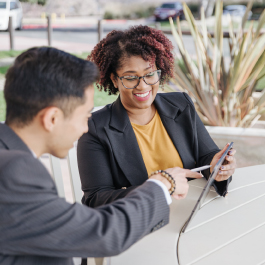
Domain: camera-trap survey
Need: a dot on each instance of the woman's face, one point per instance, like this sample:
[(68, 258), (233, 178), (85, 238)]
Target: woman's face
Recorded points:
[(142, 96)]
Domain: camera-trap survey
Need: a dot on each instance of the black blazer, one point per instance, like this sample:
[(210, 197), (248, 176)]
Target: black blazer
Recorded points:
[(109, 157)]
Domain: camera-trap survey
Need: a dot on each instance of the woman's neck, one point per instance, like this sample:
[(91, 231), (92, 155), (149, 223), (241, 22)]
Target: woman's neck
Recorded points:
[(142, 116)]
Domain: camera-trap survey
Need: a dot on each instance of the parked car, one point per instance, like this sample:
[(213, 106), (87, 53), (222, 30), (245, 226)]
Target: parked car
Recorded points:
[(236, 11), (10, 8), (167, 10)]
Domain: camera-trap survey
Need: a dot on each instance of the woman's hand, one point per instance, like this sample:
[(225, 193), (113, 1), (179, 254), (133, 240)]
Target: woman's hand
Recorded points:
[(228, 167)]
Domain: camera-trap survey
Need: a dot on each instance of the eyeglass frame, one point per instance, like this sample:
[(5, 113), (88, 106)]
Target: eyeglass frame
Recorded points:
[(139, 77)]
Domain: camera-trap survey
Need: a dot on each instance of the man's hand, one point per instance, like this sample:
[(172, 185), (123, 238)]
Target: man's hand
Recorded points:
[(180, 176), (228, 167)]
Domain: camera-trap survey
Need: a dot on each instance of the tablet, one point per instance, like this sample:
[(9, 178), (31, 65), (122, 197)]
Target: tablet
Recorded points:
[(207, 187)]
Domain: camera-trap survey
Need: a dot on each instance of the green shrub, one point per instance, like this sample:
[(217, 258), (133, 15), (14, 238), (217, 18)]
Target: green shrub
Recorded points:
[(144, 13), (133, 14), (3, 70), (39, 2), (12, 53), (108, 15)]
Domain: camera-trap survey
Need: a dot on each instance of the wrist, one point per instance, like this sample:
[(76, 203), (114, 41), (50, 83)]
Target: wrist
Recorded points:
[(162, 179)]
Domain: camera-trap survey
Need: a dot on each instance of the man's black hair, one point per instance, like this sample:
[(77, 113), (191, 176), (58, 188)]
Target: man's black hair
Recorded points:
[(43, 77)]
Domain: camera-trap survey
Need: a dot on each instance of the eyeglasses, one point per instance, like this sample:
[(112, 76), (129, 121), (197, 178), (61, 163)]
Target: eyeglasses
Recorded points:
[(130, 81)]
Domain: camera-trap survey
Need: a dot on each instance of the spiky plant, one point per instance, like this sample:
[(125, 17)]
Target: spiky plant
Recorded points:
[(223, 95)]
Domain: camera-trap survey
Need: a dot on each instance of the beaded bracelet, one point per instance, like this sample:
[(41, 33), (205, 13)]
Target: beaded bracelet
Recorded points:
[(168, 177)]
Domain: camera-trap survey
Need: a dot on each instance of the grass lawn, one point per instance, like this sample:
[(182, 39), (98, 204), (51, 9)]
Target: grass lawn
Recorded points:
[(3, 70), (102, 98), (6, 54)]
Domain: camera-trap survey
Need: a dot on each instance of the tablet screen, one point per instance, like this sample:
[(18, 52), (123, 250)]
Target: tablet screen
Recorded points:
[(207, 187)]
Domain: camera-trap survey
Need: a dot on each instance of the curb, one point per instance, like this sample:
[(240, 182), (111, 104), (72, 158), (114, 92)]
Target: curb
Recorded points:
[(33, 26), (7, 61), (2, 83)]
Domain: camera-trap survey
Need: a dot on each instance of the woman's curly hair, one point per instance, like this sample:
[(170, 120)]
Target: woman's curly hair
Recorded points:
[(151, 44)]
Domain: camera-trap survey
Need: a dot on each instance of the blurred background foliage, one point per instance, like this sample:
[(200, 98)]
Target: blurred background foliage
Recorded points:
[(136, 10), (222, 88), (39, 2), (117, 9)]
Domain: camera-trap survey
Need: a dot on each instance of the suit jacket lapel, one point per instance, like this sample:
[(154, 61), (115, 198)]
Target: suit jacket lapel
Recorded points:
[(179, 127), (11, 140), (125, 146)]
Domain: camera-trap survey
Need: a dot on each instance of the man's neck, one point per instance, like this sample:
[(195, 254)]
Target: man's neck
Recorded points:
[(30, 135)]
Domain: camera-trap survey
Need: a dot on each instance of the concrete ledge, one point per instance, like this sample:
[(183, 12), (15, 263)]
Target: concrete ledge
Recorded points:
[(248, 142), (235, 131)]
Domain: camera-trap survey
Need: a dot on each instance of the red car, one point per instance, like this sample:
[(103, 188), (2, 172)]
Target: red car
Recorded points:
[(167, 10)]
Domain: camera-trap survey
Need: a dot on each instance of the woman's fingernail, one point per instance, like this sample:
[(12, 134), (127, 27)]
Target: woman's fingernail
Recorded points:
[(223, 167), (220, 172)]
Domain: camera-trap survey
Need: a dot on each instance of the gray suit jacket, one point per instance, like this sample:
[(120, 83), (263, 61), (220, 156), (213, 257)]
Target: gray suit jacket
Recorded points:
[(38, 227)]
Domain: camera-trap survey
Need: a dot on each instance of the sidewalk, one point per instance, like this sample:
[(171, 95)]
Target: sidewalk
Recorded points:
[(24, 43), (74, 22)]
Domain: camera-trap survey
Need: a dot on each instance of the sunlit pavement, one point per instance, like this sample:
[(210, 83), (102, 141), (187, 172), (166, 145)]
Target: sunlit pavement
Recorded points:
[(23, 43), (2, 82)]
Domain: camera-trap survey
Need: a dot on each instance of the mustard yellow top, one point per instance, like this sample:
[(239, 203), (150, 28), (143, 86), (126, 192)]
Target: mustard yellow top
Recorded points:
[(158, 150)]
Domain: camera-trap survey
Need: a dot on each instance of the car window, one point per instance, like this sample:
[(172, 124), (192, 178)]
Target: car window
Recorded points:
[(2, 5), (13, 5), (168, 6)]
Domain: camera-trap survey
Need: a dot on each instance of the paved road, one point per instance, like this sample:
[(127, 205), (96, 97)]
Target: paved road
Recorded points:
[(71, 39)]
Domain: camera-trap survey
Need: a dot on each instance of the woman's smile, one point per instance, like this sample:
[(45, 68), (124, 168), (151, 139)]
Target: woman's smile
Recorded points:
[(143, 96)]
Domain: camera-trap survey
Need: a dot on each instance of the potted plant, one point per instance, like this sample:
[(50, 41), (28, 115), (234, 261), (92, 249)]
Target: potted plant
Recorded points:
[(220, 87)]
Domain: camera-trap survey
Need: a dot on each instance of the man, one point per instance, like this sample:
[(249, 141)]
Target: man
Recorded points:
[(49, 97)]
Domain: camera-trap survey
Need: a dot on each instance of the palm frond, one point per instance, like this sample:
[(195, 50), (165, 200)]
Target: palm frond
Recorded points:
[(222, 93)]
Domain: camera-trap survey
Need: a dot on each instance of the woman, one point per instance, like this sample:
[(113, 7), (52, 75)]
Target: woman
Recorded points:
[(142, 131)]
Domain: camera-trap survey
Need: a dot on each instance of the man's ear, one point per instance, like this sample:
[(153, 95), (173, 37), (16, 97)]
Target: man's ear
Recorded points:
[(114, 80), (50, 117)]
